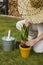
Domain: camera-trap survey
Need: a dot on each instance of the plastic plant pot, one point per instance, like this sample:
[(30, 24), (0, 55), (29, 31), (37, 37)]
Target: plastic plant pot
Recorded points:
[(25, 52), (17, 44)]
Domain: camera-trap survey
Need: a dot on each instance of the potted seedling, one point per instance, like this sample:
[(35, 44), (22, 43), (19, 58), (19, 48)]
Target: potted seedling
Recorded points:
[(24, 49)]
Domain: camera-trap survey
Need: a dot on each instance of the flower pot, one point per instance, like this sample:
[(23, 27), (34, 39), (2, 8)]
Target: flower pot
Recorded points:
[(25, 52), (8, 44), (17, 44)]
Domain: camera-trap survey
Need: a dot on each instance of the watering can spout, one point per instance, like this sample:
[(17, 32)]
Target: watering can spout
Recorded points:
[(9, 34)]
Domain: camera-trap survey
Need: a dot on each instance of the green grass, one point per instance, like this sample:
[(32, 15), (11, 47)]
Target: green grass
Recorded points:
[(13, 57)]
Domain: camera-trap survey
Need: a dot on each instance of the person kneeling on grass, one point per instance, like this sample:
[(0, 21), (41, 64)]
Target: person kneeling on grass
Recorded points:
[(36, 43)]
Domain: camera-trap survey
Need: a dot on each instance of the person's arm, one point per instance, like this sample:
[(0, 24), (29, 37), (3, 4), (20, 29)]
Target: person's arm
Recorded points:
[(40, 37), (34, 41), (27, 23)]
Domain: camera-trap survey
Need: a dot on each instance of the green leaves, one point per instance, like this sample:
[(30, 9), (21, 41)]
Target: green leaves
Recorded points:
[(24, 33)]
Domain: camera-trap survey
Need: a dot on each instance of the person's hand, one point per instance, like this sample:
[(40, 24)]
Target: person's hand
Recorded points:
[(31, 42), (27, 24), (34, 41)]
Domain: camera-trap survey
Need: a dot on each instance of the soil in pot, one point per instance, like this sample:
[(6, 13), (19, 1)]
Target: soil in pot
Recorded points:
[(25, 46)]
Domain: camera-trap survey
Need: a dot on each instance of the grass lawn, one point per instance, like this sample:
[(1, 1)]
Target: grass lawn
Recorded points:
[(13, 57)]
